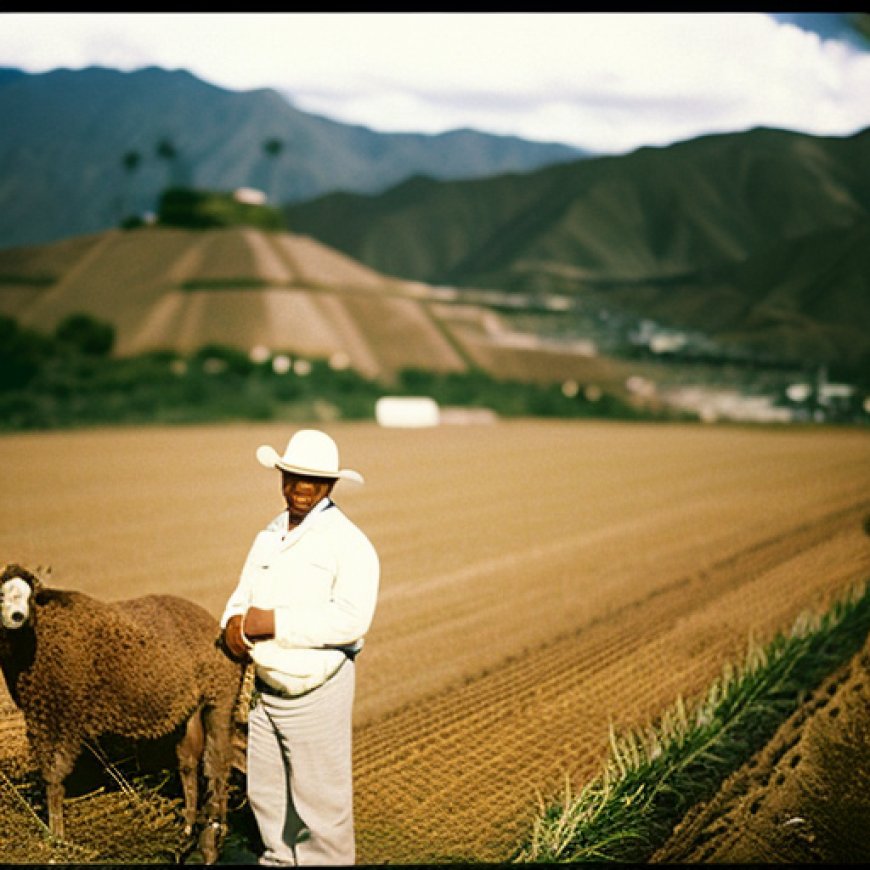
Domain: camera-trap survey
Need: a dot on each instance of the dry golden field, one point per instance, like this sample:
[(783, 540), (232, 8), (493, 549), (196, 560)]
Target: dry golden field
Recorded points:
[(540, 581)]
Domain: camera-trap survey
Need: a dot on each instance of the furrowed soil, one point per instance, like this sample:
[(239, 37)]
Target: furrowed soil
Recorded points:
[(803, 799), (541, 580)]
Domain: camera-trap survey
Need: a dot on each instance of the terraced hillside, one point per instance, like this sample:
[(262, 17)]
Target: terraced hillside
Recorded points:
[(165, 288), (541, 580)]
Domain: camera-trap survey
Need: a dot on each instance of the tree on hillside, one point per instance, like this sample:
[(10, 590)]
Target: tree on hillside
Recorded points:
[(130, 162), (201, 209), (86, 334), (21, 354), (272, 148), (168, 153)]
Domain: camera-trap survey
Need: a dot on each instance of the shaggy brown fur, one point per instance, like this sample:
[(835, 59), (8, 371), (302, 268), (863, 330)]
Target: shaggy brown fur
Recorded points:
[(143, 668)]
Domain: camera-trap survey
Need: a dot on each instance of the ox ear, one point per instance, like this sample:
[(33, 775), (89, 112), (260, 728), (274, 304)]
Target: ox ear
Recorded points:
[(41, 575)]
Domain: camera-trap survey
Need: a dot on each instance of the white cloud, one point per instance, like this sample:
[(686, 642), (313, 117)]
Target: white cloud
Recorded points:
[(606, 81)]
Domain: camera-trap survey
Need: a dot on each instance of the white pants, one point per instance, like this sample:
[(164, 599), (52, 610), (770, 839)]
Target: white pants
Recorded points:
[(300, 774)]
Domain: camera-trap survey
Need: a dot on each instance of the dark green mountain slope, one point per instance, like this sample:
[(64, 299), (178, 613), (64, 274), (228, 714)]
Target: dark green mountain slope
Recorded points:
[(657, 211), (752, 222), (810, 296), (802, 299), (66, 134)]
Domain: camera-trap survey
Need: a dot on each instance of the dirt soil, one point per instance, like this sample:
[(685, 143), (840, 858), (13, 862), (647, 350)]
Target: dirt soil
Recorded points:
[(541, 581), (804, 799)]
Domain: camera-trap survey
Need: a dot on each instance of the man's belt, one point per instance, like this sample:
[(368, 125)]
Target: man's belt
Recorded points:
[(349, 651), (266, 689)]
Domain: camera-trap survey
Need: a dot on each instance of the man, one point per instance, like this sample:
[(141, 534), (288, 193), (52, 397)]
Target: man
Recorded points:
[(304, 601)]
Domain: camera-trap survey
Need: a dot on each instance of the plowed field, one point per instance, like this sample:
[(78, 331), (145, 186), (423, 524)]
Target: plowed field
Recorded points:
[(541, 580)]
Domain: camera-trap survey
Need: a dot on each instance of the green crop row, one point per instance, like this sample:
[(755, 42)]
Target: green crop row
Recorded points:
[(653, 776)]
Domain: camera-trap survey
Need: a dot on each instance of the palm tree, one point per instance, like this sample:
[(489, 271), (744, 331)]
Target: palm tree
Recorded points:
[(130, 162), (167, 152), (272, 148)]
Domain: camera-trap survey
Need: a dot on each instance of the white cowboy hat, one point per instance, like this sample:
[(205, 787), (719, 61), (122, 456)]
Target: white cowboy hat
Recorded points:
[(310, 452)]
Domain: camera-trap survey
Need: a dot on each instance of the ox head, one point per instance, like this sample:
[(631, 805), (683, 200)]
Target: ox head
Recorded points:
[(18, 589)]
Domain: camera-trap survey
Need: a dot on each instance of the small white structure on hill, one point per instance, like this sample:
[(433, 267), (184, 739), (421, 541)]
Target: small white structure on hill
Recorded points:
[(249, 196), (407, 411)]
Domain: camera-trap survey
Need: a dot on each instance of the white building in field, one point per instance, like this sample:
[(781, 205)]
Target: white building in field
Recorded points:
[(407, 412)]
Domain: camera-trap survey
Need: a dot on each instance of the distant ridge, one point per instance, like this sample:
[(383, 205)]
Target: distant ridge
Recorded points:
[(67, 135)]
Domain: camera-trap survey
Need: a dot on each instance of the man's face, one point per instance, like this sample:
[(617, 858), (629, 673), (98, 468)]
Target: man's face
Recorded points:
[(302, 492)]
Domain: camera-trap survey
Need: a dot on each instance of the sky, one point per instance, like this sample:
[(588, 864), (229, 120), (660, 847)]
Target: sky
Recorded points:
[(608, 82)]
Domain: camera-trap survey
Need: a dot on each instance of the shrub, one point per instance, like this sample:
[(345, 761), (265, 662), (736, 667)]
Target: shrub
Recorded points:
[(195, 209), (86, 334), (71, 379), (21, 354)]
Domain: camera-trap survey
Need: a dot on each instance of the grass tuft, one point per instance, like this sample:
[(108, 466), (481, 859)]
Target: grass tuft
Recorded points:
[(654, 775)]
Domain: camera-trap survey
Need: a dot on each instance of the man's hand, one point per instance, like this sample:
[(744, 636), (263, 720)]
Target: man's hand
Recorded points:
[(259, 624), (232, 642)]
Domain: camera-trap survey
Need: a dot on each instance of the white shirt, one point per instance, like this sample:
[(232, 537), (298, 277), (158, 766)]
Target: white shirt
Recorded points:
[(321, 579)]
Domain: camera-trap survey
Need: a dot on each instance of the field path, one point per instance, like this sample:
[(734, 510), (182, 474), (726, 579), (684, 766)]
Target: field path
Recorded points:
[(541, 580)]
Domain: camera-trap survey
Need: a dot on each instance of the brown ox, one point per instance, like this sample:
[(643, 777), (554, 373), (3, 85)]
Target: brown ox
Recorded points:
[(79, 668)]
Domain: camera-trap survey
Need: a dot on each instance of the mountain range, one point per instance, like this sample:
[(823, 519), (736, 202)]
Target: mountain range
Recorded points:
[(760, 239), (82, 149)]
